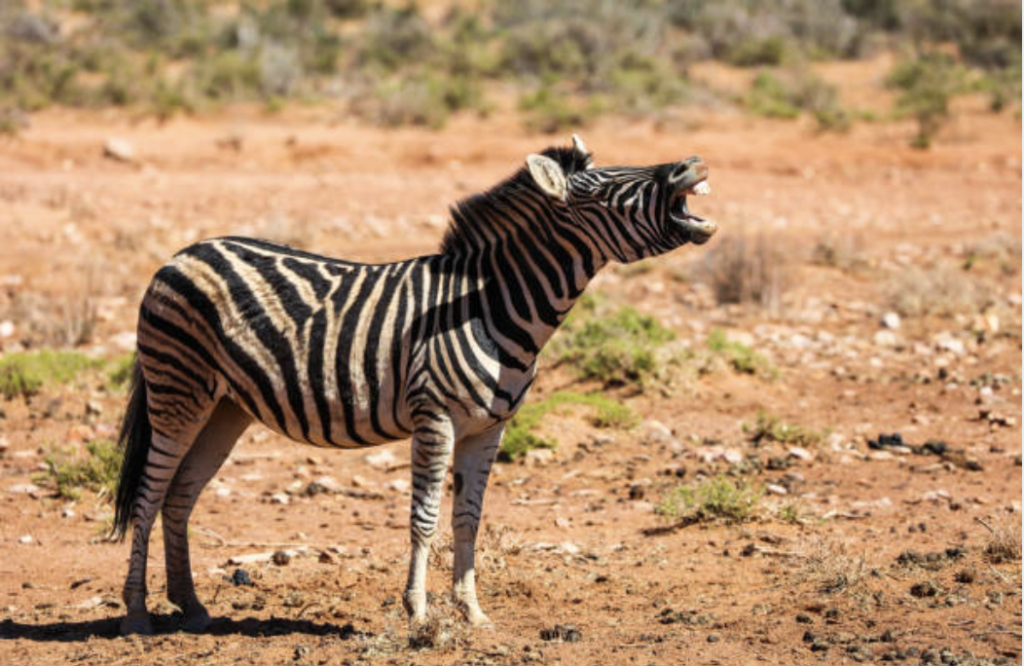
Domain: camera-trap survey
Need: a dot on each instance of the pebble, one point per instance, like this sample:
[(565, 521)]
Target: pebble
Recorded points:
[(891, 320), (885, 338), (119, 149), (799, 453), (381, 460), (279, 498), (26, 539)]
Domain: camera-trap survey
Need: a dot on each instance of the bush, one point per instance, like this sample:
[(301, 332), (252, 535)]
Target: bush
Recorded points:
[(770, 428), (926, 84), (740, 269), (98, 470), (941, 291), (24, 373), (769, 32), (616, 349), (550, 112), (520, 436), (716, 499), (741, 357), (773, 97)]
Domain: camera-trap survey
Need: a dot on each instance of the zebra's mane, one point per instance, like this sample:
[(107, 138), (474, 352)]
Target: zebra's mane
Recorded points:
[(473, 216)]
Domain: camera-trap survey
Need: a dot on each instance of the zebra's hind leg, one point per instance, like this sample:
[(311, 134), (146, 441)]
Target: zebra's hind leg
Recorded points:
[(168, 446), (209, 451), (431, 451), (474, 456)]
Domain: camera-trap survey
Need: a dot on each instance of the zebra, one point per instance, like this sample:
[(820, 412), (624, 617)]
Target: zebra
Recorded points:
[(441, 349)]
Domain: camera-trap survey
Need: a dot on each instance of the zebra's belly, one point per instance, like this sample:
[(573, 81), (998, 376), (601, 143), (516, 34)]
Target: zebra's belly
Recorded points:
[(330, 420)]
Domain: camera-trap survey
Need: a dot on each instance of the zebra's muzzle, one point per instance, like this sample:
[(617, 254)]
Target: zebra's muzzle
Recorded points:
[(697, 228)]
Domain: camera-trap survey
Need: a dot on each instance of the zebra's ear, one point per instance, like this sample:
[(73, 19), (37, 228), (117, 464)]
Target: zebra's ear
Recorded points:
[(579, 147), (548, 175)]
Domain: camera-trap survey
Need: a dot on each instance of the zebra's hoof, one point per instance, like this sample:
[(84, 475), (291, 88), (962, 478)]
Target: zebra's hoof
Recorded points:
[(196, 620), (137, 624)]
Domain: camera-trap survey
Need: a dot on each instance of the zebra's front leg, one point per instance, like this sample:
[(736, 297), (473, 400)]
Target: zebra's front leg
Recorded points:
[(474, 456), (431, 451)]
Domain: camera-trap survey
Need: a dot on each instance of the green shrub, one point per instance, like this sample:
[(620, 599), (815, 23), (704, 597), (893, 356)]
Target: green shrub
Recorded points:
[(798, 91), (120, 372), (770, 428), (926, 84), (98, 470), (715, 499), (24, 373), (615, 349), (520, 436), (550, 112), (741, 357)]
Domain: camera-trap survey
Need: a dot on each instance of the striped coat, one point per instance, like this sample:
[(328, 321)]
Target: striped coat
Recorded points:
[(440, 348)]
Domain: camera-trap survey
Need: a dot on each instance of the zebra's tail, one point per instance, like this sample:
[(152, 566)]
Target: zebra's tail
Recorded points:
[(134, 441)]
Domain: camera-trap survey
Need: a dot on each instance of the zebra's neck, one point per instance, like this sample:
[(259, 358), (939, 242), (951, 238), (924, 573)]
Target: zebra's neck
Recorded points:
[(528, 277)]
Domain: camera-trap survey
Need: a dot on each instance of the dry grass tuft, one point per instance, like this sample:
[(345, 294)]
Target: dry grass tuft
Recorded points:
[(749, 269), (832, 568), (1004, 542), (942, 291)]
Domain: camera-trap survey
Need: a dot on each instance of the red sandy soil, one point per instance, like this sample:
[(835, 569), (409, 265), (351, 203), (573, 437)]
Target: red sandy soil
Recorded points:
[(571, 539)]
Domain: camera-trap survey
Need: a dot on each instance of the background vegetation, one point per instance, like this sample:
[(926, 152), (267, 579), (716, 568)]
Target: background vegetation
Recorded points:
[(391, 63)]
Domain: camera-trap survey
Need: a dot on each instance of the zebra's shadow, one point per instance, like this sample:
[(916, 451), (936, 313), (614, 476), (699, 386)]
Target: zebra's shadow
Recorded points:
[(70, 632)]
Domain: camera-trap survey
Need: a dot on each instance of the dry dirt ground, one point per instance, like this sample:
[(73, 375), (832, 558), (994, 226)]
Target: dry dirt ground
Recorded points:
[(571, 539)]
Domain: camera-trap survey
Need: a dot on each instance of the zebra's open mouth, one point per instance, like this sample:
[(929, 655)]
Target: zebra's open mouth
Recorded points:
[(698, 229)]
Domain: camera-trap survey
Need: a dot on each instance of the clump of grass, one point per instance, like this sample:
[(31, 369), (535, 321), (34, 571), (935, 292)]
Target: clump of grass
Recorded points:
[(926, 84), (943, 291), (520, 436), (25, 373), (97, 470), (770, 428), (741, 357), (616, 349), (120, 372), (715, 499), (832, 569), (790, 513), (1004, 542)]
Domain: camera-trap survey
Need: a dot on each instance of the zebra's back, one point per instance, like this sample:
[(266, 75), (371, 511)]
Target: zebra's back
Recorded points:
[(315, 348)]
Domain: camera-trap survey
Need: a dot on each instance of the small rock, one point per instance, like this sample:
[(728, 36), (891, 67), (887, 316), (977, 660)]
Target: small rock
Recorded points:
[(885, 338), (26, 539), (891, 320), (24, 489), (6, 328), (279, 498), (776, 489), (800, 453), (636, 492), (539, 457), (119, 149), (240, 578), (398, 485), (714, 638), (281, 558), (381, 460), (93, 408)]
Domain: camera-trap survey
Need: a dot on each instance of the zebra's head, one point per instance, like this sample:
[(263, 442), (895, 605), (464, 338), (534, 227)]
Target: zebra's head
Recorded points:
[(631, 212)]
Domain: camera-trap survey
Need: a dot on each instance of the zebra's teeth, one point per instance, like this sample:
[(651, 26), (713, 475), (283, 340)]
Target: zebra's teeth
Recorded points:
[(702, 188)]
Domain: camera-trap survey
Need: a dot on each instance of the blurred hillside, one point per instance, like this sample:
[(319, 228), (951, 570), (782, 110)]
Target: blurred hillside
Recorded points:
[(559, 63)]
